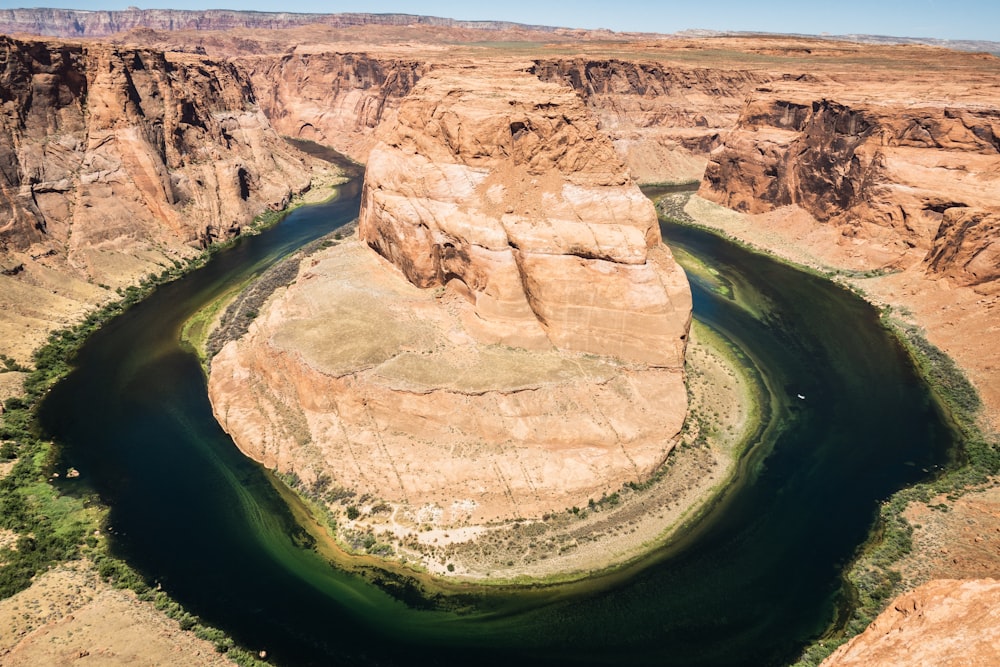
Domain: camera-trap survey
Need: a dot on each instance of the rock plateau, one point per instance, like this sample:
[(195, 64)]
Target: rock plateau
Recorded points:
[(505, 339)]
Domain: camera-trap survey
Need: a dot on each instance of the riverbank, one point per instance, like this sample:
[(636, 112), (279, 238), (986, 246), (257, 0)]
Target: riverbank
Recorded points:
[(923, 532), (63, 594)]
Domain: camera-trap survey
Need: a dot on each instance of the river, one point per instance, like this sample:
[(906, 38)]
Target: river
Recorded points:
[(753, 581)]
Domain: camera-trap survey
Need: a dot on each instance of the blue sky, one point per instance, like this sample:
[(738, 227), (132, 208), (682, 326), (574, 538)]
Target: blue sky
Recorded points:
[(946, 19)]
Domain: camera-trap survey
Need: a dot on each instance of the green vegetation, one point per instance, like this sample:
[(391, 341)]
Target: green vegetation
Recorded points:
[(56, 521), (8, 365), (50, 528)]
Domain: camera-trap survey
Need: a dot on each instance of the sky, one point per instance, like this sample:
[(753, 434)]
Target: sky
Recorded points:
[(943, 19)]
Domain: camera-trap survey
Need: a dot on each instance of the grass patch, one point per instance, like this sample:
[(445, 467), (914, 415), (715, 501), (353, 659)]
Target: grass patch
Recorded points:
[(57, 520)]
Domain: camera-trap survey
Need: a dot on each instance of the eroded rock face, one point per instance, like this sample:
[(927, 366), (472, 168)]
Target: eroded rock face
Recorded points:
[(663, 119), (944, 622), (501, 188), (921, 177), (114, 162), (515, 347), (118, 143), (333, 99)]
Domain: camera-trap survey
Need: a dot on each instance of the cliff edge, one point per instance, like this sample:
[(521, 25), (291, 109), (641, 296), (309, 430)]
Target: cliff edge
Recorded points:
[(505, 338)]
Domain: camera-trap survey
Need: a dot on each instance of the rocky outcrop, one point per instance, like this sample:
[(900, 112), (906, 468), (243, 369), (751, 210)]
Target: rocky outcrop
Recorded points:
[(115, 162), (922, 177), (966, 248), (86, 23), (944, 622), (502, 187), (664, 119), (515, 347), (333, 99)]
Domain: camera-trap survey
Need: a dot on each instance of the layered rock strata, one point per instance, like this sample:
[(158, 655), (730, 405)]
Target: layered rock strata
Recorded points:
[(915, 181), (333, 99), (115, 162), (508, 193), (664, 119), (514, 347)]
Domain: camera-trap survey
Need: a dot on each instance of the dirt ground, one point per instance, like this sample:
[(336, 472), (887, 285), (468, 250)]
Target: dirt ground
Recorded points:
[(607, 533), (954, 539), (70, 617)]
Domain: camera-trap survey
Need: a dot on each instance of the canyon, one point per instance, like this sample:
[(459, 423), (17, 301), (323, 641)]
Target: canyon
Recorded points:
[(119, 163), (120, 157), (449, 354)]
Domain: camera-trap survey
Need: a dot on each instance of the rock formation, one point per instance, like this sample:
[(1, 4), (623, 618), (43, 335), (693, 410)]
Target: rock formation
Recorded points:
[(520, 352), (921, 180), (115, 162), (509, 193), (333, 99), (664, 119), (947, 623)]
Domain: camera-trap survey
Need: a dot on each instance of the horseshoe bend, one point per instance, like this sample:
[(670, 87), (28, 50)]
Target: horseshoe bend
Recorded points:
[(494, 376), (503, 340)]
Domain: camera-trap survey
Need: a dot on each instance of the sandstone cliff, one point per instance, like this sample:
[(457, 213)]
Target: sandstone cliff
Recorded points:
[(450, 381), (501, 186), (664, 119), (917, 177), (333, 99), (946, 623), (115, 162)]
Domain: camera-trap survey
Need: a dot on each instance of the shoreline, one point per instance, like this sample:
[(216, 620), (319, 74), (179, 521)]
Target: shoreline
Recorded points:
[(871, 581), (79, 515), (582, 547)]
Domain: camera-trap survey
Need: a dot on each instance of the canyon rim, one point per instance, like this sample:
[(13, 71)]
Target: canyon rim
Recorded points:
[(121, 155), (504, 340)]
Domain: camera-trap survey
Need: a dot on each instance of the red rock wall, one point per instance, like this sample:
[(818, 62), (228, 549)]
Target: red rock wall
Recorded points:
[(925, 174), (330, 98), (663, 119), (116, 148)]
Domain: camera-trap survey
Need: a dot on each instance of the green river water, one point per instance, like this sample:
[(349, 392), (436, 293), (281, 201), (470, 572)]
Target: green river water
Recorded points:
[(756, 578)]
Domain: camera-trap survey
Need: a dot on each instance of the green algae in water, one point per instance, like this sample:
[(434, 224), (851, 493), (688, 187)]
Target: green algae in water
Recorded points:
[(753, 581)]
